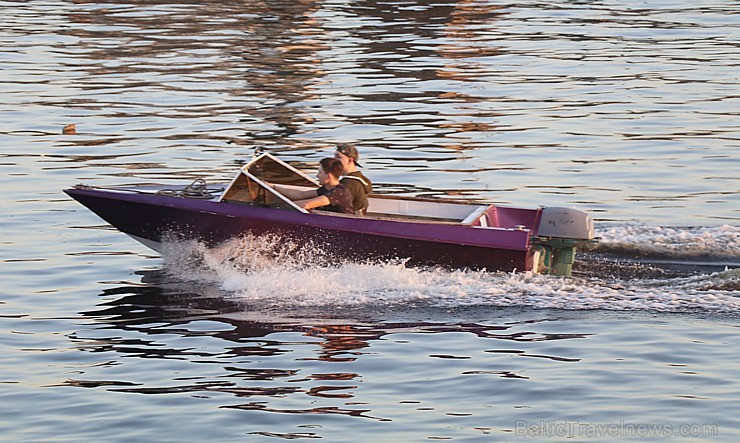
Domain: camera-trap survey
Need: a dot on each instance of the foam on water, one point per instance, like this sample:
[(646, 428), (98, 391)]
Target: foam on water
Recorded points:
[(270, 272)]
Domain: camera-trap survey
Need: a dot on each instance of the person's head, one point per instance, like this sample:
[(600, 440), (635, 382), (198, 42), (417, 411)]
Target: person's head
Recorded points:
[(330, 169), (348, 155)]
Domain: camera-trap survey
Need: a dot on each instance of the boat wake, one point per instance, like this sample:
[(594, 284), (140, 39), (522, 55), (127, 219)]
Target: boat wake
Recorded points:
[(714, 243), (633, 268)]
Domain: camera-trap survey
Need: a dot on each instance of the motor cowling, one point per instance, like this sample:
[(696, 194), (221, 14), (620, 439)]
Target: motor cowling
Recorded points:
[(565, 223), (560, 232)]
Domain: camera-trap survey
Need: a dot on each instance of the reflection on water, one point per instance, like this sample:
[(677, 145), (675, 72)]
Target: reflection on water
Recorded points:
[(389, 366), (627, 110), (157, 320)]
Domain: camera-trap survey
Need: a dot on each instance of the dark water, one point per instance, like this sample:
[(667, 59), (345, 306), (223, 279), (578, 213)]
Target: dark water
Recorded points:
[(628, 110)]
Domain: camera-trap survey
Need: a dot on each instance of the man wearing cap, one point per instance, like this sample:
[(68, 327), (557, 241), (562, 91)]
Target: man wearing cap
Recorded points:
[(352, 179)]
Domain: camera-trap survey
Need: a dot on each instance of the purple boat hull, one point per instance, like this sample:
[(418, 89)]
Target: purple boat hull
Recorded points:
[(152, 218)]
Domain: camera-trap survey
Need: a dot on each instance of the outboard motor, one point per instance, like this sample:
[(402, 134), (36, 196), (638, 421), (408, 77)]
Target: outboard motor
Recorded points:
[(560, 232)]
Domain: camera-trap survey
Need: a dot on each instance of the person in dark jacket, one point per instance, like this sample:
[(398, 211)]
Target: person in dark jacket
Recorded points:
[(352, 179)]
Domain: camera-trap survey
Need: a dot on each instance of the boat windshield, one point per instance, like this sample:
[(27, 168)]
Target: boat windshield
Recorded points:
[(270, 169), (250, 186)]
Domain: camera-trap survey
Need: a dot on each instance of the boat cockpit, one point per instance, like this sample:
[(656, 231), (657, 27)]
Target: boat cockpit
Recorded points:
[(252, 186)]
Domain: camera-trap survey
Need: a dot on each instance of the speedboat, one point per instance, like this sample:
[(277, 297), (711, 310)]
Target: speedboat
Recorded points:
[(421, 232)]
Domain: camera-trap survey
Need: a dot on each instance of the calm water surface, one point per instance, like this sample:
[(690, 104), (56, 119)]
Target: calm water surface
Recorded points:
[(628, 110)]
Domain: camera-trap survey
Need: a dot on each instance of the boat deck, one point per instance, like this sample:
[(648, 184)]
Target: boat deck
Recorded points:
[(428, 211)]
